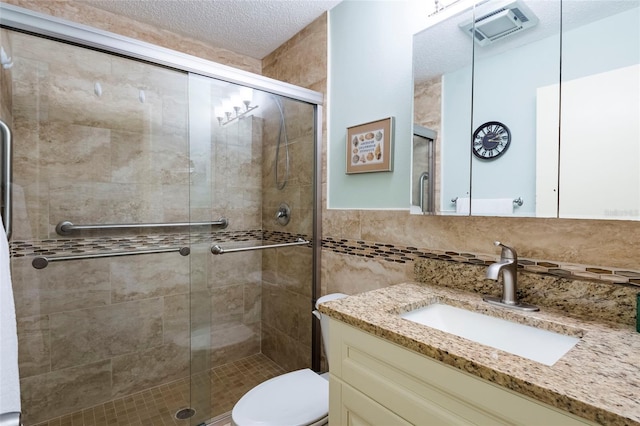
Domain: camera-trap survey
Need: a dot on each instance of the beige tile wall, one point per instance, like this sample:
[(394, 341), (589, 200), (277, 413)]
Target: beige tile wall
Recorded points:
[(286, 304), (590, 242), (88, 334), (87, 158)]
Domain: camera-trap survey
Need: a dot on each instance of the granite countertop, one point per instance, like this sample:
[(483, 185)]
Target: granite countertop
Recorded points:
[(598, 379)]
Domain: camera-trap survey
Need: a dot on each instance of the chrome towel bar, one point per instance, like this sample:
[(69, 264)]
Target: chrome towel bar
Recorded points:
[(7, 176), (517, 201), (42, 262), (219, 250), (65, 227)]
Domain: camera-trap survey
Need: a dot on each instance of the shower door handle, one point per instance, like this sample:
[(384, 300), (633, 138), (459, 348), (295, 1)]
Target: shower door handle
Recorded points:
[(7, 176), (429, 207)]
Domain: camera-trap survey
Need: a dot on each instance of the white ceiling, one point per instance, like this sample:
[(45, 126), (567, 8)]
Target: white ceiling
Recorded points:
[(251, 27)]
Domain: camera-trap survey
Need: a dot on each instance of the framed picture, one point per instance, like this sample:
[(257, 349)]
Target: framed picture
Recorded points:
[(369, 147)]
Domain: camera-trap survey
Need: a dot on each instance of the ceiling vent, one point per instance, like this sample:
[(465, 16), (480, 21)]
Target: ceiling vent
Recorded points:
[(503, 19)]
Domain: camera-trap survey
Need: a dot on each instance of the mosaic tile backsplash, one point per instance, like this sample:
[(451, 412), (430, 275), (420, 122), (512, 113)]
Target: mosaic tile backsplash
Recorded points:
[(579, 291), (402, 254)]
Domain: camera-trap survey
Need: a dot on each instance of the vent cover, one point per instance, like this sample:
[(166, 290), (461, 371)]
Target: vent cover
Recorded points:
[(503, 20)]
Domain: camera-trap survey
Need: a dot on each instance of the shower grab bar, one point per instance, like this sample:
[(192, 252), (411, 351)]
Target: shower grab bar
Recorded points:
[(7, 177), (219, 250), (42, 262), (65, 227)]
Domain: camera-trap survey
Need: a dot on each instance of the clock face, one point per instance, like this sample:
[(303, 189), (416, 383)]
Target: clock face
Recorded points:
[(491, 140)]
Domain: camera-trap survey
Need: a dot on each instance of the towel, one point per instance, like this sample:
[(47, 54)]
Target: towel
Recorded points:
[(492, 206), (462, 205), (9, 379), (485, 206)]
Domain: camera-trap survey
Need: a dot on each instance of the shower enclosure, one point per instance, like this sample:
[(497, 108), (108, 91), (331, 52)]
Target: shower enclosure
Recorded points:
[(165, 238)]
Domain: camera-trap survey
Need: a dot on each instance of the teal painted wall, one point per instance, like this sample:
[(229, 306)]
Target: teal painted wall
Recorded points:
[(370, 78)]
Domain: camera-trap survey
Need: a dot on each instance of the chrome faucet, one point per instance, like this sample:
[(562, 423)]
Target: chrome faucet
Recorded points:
[(508, 265)]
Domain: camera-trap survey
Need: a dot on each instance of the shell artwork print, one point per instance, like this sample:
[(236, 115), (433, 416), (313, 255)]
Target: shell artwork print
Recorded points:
[(369, 147)]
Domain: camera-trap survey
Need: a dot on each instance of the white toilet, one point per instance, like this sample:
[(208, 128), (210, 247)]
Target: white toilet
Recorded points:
[(293, 399)]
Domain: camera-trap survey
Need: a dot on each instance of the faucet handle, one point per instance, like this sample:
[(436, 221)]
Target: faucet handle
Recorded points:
[(507, 253)]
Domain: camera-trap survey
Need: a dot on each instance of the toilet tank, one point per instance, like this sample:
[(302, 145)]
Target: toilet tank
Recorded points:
[(324, 320)]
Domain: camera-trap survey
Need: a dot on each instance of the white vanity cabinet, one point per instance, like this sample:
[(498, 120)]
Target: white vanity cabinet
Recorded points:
[(376, 382)]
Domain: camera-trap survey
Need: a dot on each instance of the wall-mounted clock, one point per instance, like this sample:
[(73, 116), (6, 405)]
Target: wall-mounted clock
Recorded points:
[(491, 140)]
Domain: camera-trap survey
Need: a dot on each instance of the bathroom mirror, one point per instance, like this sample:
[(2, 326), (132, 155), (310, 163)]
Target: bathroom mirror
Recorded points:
[(600, 112), (574, 146), (442, 100)]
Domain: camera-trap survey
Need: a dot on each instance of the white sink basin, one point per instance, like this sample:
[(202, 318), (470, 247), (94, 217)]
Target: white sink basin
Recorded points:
[(539, 345)]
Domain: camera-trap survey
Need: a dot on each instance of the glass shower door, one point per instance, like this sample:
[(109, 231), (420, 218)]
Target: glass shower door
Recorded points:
[(101, 139), (252, 158), (226, 162)]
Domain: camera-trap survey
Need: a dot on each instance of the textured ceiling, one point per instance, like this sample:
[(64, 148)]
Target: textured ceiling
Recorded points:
[(444, 47), (251, 27)]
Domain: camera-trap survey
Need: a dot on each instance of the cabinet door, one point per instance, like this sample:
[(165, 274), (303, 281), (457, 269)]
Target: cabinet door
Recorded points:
[(356, 409)]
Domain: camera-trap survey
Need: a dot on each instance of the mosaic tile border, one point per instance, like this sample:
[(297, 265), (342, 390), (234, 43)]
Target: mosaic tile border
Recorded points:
[(402, 254), (90, 245), (387, 252)]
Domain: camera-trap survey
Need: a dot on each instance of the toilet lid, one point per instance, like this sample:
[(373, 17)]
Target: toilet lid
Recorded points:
[(297, 398)]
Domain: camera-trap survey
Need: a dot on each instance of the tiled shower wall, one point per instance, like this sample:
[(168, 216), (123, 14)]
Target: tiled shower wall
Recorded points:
[(94, 330), (286, 315), (287, 272), (87, 150)]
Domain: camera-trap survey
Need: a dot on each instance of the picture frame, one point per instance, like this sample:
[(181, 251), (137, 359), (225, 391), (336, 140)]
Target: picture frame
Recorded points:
[(369, 147)]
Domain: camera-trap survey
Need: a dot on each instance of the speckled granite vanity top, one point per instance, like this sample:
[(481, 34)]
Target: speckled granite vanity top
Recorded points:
[(598, 379)]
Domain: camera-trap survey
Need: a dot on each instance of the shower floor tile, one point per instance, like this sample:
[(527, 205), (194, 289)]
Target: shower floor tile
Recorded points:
[(158, 406)]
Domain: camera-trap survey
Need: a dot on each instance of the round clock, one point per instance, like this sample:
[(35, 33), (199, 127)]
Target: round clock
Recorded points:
[(491, 140)]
